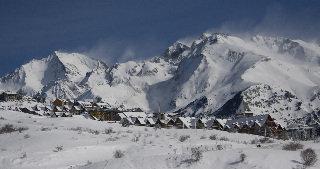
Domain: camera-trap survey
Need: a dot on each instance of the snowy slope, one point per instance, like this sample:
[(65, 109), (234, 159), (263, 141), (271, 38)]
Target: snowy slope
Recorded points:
[(85, 145), (217, 70)]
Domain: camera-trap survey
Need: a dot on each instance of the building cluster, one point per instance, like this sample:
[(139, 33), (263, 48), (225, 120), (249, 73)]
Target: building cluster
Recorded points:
[(9, 96), (263, 125)]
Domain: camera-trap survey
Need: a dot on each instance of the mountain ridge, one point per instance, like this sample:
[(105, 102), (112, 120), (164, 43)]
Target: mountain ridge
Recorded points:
[(212, 70)]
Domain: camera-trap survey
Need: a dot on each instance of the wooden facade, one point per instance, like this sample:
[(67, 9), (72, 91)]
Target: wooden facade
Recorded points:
[(7, 96), (58, 102), (106, 115)]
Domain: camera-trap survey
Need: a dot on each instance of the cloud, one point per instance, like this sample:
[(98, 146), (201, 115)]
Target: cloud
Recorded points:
[(296, 23), (113, 50)]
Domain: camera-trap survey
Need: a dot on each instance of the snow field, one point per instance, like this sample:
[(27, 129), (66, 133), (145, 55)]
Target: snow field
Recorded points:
[(84, 144)]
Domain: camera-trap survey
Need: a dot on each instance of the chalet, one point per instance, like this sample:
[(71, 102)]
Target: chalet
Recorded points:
[(102, 106), (165, 123), (87, 106), (127, 121), (301, 132), (150, 122), (76, 110), (205, 122), (61, 114), (59, 102), (48, 108), (29, 111), (129, 118), (67, 108), (106, 115), (259, 125), (9, 96), (197, 123), (57, 109), (139, 121), (183, 122), (217, 124)]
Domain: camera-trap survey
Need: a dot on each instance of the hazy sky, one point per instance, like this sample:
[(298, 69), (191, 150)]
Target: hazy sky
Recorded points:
[(119, 30)]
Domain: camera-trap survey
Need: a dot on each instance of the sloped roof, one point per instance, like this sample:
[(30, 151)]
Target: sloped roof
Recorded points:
[(134, 114), (68, 107), (250, 121), (103, 105), (77, 108), (222, 122), (85, 104), (141, 120), (186, 121), (152, 121), (58, 108)]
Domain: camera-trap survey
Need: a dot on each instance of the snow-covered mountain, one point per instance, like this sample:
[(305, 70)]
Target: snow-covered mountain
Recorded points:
[(217, 74)]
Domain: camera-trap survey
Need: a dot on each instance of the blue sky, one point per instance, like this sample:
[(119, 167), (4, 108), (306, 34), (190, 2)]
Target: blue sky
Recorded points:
[(119, 30)]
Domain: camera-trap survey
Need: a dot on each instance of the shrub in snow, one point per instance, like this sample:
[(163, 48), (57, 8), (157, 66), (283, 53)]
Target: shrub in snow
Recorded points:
[(8, 128), (157, 126), (24, 155), (135, 138), (112, 139), (184, 138), (224, 139), (58, 148), (196, 155), (242, 157), (213, 137), (2, 118), (26, 136), (118, 154), (309, 157), (266, 140), (96, 132), (293, 146), (203, 137), (45, 129), (108, 130), (88, 163), (219, 147), (254, 141), (129, 131)]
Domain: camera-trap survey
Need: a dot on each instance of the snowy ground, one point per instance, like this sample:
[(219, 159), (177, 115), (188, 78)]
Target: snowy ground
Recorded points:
[(89, 147)]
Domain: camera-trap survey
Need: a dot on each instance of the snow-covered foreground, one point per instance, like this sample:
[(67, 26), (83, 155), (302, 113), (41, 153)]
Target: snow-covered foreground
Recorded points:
[(85, 144)]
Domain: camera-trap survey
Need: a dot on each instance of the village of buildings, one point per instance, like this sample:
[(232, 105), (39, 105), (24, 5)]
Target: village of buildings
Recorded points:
[(263, 125)]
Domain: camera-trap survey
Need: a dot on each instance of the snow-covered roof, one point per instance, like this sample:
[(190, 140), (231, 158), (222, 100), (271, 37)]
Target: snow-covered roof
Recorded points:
[(67, 107), (103, 105), (129, 119), (141, 120), (122, 115), (134, 114), (222, 122), (250, 121), (49, 108), (8, 92), (166, 121), (58, 108), (186, 121), (77, 108), (60, 113), (152, 121), (85, 104)]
